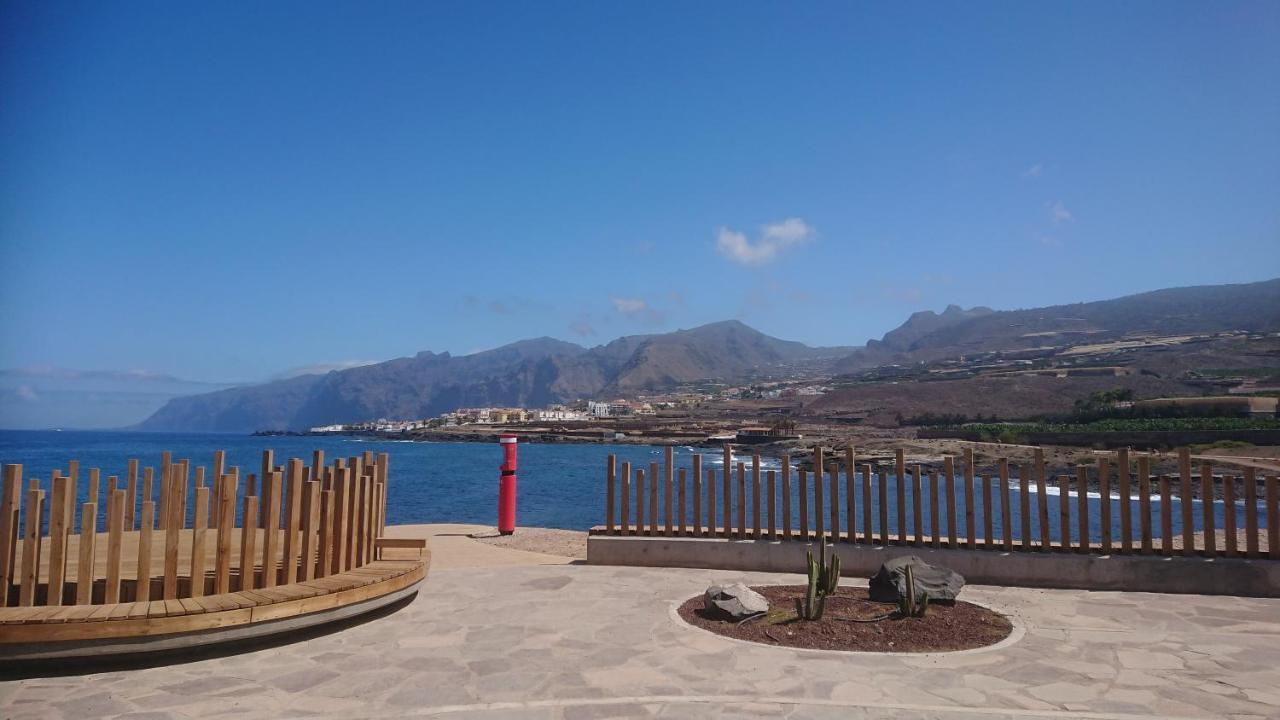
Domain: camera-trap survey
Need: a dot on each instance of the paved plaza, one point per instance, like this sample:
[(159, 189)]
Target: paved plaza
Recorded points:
[(499, 633)]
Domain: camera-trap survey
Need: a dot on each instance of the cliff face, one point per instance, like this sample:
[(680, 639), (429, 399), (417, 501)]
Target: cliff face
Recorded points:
[(529, 373)]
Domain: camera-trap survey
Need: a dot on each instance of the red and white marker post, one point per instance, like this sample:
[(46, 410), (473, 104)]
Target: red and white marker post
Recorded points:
[(507, 486)]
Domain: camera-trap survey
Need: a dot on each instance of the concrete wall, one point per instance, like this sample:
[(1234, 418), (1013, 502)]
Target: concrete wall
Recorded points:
[(1137, 573)]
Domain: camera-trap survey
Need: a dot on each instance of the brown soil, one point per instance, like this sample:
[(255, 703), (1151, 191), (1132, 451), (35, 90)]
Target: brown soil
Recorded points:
[(945, 626)]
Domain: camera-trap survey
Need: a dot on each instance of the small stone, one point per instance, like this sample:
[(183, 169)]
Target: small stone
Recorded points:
[(737, 601)]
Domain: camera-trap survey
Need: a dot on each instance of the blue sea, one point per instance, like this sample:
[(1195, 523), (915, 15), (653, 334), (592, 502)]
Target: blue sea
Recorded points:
[(560, 485)]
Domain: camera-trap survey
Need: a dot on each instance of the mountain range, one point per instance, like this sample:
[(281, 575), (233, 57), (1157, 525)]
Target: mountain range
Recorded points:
[(541, 371)]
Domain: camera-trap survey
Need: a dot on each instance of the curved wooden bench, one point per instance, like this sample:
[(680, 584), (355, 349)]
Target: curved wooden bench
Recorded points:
[(91, 630)]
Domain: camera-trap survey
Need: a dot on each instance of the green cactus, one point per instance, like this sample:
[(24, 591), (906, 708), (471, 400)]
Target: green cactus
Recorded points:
[(824, 578), (907, 605)]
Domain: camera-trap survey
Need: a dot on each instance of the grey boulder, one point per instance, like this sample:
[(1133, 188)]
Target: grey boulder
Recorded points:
[(737, 601), (889, 584)]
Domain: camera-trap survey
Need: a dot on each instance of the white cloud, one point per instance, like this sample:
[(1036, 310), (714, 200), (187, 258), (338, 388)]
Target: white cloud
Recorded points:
[(1033, 172), (1059, 212), (774, 238), (582, 327), (628, 306), (27, 393), (1050, 242)]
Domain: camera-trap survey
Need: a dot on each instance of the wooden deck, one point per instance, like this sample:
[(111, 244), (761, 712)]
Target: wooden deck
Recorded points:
[(45, 624)]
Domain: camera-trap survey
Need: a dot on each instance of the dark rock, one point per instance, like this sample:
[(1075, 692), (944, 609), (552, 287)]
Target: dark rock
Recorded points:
[(889, 584), (737, 601)]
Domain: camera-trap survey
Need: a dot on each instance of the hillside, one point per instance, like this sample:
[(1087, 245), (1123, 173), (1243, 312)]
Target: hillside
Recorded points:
[(1209, 308), (529, 373)]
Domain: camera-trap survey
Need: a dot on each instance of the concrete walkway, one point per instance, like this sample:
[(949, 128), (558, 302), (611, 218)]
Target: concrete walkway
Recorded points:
[(512, 637)]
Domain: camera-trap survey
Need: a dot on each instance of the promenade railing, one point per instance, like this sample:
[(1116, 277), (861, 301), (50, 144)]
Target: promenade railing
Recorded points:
[(1114, 506)]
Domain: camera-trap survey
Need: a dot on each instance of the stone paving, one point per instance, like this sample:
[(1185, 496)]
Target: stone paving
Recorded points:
[(578, 641)]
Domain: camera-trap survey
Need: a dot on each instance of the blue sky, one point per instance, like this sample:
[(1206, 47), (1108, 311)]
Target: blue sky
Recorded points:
[(226, 191)]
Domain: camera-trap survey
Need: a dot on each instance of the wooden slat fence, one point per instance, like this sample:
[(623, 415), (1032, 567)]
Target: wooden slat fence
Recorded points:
[(1116, 506), (184, 543)]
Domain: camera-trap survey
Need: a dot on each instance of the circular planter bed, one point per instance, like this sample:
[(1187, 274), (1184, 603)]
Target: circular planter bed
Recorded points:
[(854, 622)]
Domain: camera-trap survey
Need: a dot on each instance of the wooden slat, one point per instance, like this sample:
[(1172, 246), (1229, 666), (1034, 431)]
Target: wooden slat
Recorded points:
[(271, 538), (1125, 489), (917, 506), (625, 512), (697, 493), (94, 477), (115, 537), (215, 500), (882, 494), (742, 500), (819, 524), (949, 472), (1144, 504), (200, 482), (324, 545), (1229, 514), (1104, 508), (166, 466), (610, 496), (60, 504), (786, 496), (653, 498), (226, 514), (1166, 517), (755, 497), (10, 505), (131, 496), (1184, 502), (682, 479), (310, 530), (727, 500), (697, 503), (970, 499), (172, 530), (802, 488), (1006, 511), (727, 478), (1250, 512), (293, 519), (1064, 513), (988, 512), (264, 476), (851, 492), (900, 492), (641, 528), (1206, 505), (667, 471), (199, 525), (867, 531), (833, 496), (31, 545), (248, 539), (341, 517), (1082, 501), (317, 465), (146, 529), (84, 568), (771, 486), (180, 491), (1273, 517), (1042, 500), (1024, 506), (935, 521), (148, 490)]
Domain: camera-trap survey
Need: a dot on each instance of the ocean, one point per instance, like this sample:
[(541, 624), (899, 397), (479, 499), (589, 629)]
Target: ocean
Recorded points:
[(559, 485)]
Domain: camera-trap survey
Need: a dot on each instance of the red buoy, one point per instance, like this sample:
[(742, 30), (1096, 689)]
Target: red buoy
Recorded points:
[(507, 486)]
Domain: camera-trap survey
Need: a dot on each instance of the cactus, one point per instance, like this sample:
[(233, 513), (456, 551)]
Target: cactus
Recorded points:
[(907, 605), (823, 580)]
